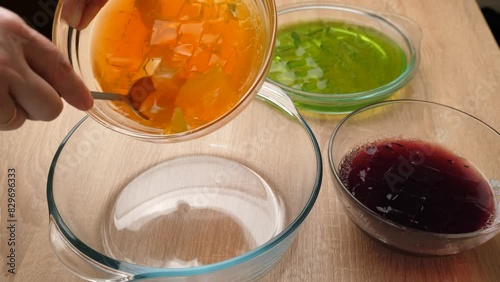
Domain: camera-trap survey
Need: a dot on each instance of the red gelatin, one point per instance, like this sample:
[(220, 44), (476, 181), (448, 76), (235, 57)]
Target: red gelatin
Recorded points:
[(419, 185)]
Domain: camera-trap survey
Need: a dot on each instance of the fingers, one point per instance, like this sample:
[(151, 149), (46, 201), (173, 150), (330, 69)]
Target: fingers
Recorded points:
[(79, 13), (72, 11), (11, 115), (46, 61), (91, 10), (22, 88), (33, 76), (33, 94), (17, 120)]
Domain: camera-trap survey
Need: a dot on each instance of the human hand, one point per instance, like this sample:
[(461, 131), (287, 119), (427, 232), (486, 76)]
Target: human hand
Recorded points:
[(79, 13), (34, 76)]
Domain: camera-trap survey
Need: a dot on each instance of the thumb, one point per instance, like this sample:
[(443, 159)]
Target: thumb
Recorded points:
[(72, 11), (79, 13)]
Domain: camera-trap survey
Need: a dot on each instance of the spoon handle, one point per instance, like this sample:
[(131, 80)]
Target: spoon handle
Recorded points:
[(107, 96), (117, 97)]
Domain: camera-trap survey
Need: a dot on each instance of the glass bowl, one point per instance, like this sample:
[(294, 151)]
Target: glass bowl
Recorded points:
[(223, 207), (463, 134), (77, 46), (404, 34)]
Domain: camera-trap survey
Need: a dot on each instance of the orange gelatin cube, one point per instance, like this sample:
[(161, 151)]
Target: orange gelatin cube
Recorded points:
[(206, 97), (190, 11), (199, 60), (164, 33), (159, 104), (147, 6), (190, 32), (167, 10)]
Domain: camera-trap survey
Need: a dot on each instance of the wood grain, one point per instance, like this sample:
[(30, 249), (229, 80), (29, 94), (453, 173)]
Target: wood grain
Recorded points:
[(460, 67)]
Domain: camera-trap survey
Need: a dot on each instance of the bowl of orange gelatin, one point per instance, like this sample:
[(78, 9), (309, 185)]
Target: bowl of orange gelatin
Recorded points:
[(190, 66)]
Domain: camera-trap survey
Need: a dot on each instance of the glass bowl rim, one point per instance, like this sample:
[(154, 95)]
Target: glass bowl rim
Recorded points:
[(150, 272), (339, 185), (385, 89), (207, 128)]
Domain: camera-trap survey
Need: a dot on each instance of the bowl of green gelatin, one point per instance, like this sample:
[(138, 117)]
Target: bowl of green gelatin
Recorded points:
[(332, 58)]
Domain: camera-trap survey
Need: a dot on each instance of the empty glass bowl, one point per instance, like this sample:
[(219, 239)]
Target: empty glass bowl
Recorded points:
[(222, 207), (366, 55), (466, 136), (78, 47)]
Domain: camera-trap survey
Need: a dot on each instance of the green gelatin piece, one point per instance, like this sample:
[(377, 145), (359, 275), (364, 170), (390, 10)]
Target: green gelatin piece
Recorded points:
[(335, 58)]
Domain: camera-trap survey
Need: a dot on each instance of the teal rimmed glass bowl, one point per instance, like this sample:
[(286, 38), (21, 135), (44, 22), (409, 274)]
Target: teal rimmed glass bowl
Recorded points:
[(438, 125), (223, 207), (327, 67), (78, 45)]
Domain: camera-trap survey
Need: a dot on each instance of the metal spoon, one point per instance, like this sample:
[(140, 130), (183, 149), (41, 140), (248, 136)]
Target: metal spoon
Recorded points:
[(136, 95), (117, 97)]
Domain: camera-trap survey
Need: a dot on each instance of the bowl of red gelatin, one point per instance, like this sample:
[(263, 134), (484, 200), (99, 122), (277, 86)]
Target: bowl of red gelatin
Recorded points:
[(335, 58), (419, 177)]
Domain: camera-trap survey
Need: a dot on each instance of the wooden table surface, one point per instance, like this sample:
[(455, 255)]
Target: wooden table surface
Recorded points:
[(460, 67)]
